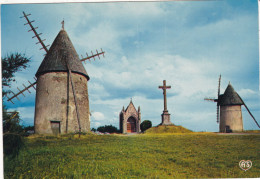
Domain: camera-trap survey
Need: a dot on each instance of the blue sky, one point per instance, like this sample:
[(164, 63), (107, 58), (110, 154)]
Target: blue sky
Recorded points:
[(186, 43)]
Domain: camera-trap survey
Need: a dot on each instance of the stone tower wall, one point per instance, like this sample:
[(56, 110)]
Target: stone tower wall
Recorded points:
[(55, 102), (231, 116)]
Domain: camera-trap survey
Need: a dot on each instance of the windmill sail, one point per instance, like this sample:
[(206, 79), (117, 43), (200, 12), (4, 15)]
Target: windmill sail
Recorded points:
[(219, 80), (216, 100), (93, 55), (35, 32), (26, 88)]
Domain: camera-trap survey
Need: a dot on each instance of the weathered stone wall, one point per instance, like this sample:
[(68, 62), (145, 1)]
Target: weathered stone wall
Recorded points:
[(231, 116), (121, 122), (125, 126), (55, 102)]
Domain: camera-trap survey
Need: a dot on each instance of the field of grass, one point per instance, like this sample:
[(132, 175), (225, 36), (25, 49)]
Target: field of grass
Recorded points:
[(186, 155), (252, 131)]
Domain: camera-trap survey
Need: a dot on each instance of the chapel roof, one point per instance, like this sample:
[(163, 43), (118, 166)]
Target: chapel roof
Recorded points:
[(61, 53), (130, 104)]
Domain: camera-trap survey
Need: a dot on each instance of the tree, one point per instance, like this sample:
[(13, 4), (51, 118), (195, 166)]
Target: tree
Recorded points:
[(10, 64), (93, 129), (28, 128), (11, 122), (12, 130), (146, 124), (109, 128)]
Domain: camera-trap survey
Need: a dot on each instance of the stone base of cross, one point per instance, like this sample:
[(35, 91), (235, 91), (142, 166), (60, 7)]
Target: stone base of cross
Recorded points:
[(166, 118)]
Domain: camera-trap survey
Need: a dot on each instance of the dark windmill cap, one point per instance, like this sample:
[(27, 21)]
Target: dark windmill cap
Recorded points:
[(230, 97), (61, 53)]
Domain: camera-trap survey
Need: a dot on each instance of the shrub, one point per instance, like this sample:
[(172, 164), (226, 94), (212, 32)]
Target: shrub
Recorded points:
[(12, 133), (93, 129), (146, 124), (107, 128), (12, 144)]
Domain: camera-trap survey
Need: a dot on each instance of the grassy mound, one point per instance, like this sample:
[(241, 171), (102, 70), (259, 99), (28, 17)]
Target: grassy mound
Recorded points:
[(167, 129), (251, 131)]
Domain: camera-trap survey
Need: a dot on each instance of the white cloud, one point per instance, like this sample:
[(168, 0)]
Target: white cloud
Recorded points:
[(248, 92), (95, 124), (182, 73), (97, 90), (98, 116)]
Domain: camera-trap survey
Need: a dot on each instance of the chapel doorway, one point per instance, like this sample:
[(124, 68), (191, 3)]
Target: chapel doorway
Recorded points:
[(131, 125)]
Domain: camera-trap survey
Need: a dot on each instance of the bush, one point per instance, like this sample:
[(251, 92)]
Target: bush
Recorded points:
[(12, 144), (28, 128), (146, 124), (109, 129), (12, 133), (93, 129)]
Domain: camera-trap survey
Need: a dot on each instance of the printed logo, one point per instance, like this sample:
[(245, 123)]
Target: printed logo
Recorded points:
[(245, 165)]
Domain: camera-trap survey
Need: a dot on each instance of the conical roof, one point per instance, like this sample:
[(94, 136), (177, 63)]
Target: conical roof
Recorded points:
[(61, 53), (230, 97)]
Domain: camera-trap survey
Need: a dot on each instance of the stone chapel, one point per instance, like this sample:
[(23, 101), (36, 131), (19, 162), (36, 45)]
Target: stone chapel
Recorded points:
[(130, 119)]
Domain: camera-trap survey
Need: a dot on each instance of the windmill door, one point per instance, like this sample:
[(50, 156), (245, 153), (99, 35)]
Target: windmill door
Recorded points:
[(55, 127), (131, 125)]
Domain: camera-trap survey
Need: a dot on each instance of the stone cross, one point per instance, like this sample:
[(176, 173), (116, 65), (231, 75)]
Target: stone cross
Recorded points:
[(164, 87)]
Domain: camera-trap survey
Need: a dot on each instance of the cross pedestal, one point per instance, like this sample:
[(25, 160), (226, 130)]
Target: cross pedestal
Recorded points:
[(166, 120)]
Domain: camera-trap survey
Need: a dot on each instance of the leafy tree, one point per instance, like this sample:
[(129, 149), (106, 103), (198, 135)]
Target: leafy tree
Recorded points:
[(93, 129), (107, 128), (11, 64), (146, 124), (12, 130)]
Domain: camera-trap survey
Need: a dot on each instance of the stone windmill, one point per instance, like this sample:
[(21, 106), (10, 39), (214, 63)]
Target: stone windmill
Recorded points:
[(229, 113), (62, 104)]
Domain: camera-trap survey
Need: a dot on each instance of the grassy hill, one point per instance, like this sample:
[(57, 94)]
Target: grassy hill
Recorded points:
[(186, 155), (251, 131), (167, 129)]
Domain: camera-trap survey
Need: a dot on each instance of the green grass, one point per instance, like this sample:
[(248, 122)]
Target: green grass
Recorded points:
[(252, 131), (167, 129), (190, 155)]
